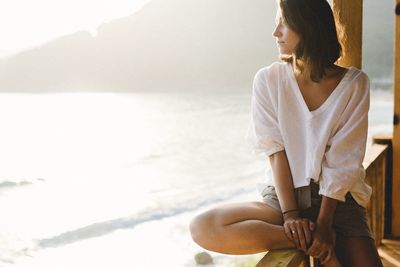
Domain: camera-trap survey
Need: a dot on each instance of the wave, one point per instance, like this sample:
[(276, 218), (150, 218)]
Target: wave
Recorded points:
[(106, 227), (11, 184)]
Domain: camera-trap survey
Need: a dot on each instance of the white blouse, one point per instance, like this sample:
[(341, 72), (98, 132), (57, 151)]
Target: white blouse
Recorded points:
[(326, 145)]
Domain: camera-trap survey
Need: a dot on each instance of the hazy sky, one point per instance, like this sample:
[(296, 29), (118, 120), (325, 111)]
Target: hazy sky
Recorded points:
[(27, 23)]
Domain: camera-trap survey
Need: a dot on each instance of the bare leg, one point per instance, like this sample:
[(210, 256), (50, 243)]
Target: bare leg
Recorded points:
[(240, 228), (357, 252)]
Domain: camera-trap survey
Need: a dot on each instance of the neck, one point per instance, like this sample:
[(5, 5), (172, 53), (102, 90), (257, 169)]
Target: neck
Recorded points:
[(301, 68)]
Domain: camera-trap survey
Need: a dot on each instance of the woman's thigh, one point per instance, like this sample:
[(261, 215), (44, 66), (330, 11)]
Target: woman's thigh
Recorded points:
[(357, 251), (230, 228), (227, 214), (230, 213)]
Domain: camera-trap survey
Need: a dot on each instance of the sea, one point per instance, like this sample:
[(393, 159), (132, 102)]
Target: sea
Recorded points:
[(113, 179)]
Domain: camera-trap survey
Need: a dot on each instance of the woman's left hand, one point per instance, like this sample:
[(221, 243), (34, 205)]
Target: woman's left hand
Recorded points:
[(323, 243)]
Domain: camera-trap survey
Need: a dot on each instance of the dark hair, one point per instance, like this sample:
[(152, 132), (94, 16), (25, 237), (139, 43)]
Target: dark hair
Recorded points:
[(314, 22)]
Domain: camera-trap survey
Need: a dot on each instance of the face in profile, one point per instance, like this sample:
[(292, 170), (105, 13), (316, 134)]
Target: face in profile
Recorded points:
[(286, 39)]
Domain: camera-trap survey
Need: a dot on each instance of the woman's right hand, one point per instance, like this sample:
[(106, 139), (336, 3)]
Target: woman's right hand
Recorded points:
[(298, 230)]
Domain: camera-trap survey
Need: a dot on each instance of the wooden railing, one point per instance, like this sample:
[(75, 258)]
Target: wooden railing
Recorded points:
[(375, 166)]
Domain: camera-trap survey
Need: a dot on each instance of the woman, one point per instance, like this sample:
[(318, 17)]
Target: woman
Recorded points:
[(310, 117)]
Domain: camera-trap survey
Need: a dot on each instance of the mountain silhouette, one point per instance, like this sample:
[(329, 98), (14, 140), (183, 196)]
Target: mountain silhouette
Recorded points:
[(167, 45)]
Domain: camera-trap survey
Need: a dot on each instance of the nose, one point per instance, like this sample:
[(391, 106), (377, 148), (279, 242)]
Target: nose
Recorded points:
[(276, 32)]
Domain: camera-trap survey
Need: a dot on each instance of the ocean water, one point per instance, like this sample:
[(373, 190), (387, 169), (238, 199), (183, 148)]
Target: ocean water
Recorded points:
[(102, 179)]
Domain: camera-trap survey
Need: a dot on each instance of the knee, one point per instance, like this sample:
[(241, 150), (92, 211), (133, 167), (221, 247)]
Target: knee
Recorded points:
[(203, 228)]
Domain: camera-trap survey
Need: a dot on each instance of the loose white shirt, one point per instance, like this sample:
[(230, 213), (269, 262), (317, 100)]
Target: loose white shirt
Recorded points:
[(327, 144)]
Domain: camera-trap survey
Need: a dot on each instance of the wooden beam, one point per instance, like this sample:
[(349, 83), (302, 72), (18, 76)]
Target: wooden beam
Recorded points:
[(348, 16), (396, 130), (284, 258)]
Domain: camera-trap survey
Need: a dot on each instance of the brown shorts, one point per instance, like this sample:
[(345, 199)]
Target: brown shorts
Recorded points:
[(350, 218)]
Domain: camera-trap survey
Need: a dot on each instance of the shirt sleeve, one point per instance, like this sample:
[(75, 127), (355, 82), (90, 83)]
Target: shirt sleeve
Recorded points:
[(342, 162), (263, 134)]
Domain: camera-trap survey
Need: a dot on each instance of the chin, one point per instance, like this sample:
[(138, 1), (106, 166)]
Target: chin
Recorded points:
[(286, 52), (282, 53)]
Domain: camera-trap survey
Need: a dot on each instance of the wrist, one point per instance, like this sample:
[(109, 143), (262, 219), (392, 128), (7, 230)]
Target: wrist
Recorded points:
[(325, 222), (290, 214), (326, 211)]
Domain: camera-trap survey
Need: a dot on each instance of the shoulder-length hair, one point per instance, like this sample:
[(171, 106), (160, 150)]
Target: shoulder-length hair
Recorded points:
[(314, 22)]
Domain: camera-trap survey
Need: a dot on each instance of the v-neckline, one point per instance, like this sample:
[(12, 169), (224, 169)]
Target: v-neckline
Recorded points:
[(311, 113)]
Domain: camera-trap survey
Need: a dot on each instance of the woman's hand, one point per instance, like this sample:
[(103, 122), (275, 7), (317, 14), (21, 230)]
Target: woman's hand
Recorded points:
[(323, 243), (324, 237), (298, 230)]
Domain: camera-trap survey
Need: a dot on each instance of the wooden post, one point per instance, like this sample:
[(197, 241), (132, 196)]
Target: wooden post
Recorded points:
[(348, 16), (396, 130)]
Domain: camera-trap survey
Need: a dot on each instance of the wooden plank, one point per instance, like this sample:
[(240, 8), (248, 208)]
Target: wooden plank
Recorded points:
[(387, 139), (373, 153), (380, 199), (314, 262), (375, 165), (396, 131), (382, 138), (284, 258), (389, 252), (370, 180), (348, 16)]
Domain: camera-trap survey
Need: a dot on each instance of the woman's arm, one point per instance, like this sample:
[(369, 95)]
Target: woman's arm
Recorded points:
[(342, 165), (326, 211), (296, 229), (323, 241), (283, 181)]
